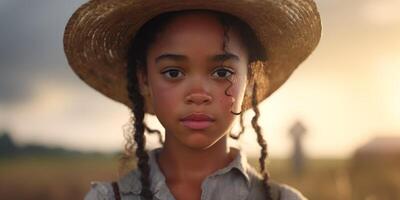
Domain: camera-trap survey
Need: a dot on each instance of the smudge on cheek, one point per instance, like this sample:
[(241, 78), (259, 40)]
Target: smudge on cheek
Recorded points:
[(237, 93), (226, 102)]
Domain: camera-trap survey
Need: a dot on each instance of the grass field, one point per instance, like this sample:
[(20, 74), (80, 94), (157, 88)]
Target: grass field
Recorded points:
[(66, 178)]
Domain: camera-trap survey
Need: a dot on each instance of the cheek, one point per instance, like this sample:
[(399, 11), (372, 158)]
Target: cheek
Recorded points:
[(164, 97)]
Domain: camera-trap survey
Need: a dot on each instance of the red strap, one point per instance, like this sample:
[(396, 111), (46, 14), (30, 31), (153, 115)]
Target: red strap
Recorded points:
[(116, 190)]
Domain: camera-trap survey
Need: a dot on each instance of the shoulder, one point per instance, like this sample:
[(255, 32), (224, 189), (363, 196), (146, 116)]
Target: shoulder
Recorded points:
[(129, 187), (285, 192), (100, 191), (279, 191)]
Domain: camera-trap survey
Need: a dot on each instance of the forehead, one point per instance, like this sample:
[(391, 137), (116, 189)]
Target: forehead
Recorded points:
[(197, 30), (194, 21)]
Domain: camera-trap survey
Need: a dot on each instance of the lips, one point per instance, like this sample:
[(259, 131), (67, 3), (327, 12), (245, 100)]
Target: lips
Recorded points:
[(197, 121), (198, 117)]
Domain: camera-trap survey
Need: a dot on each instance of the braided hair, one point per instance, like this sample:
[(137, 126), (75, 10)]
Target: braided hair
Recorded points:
[(136, 63)]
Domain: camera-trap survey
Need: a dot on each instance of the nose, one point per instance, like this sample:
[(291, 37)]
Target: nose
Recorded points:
[(198, 98)]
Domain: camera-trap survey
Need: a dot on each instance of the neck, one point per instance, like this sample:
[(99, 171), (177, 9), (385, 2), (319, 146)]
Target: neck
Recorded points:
[(181, 163)]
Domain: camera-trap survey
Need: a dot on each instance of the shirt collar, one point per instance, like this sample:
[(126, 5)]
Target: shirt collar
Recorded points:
[(131, 182), (239, 163)]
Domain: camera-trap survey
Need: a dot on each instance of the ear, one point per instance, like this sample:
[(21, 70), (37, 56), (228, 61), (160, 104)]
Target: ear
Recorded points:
[(143, 82), (145, 91), (247, 94), (258, 74), (249, 88)]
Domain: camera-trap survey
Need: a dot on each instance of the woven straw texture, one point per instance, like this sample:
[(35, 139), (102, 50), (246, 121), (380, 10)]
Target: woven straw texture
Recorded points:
[(98, 33)]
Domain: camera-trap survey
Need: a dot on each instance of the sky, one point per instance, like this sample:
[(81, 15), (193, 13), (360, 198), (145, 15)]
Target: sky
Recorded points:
[(345, 94)]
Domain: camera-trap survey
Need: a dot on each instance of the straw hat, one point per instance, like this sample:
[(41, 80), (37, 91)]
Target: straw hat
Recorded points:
[(98, 34)]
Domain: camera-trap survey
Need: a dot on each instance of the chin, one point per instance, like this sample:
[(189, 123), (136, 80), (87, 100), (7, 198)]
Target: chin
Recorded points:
[(199, 141)]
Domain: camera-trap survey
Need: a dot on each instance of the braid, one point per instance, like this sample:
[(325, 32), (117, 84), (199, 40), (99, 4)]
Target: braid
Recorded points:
[(139, 127), (141, 153), (261, 141)]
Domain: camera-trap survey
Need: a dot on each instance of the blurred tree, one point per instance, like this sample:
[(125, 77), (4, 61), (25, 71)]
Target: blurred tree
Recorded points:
[(7, 145)]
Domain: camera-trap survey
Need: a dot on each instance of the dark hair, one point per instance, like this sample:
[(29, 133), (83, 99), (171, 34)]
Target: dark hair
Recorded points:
[(136, 58)]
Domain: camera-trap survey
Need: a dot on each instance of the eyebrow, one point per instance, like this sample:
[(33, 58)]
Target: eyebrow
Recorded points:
[(224, 57), (174, 57), (215, 58)]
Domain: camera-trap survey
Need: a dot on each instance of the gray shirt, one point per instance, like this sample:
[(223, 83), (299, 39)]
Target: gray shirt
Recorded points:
[(237, 181)]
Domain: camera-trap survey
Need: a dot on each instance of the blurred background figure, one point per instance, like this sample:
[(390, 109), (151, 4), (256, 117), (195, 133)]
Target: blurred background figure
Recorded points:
[(297, 132)]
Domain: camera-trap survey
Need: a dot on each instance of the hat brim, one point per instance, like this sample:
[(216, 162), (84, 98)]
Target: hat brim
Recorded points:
[(97, 36)]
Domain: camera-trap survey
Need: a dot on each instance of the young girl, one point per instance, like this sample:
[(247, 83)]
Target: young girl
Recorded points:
[(197, 66)]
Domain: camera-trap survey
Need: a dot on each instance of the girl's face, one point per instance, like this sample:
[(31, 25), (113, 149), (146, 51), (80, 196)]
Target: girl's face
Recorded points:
[(190, 74)]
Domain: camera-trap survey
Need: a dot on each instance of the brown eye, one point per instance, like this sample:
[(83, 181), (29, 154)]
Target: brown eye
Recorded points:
[(172, 73), (223, 73)]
